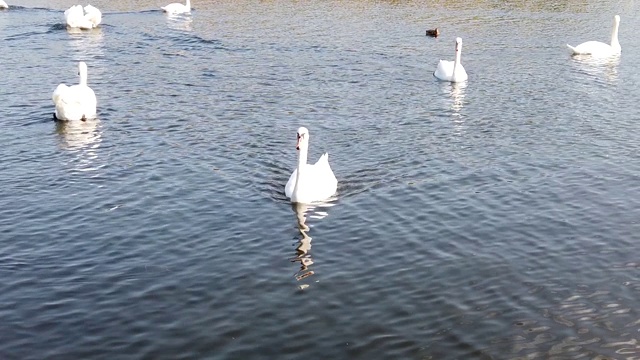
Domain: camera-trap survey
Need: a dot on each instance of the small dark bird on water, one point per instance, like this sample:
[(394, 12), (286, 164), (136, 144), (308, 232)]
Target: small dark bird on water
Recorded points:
[(434, 33)]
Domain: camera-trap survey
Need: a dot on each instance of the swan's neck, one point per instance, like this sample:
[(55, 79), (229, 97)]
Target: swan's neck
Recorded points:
[(456, 62), (302, 161), (83, 78), (189, 5), (614, 36)]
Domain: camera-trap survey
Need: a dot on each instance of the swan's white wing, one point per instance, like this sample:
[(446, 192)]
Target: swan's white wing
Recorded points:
[(317, 182), (594, 48), (461, 74), (291, 184), (93, 15), (72, 14), (58, 92), (3, 5), (444, 71), (74, 18), (322, 178), (89, 102)]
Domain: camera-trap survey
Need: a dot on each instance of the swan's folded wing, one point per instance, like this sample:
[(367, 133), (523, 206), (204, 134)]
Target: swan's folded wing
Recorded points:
[(291, 184), (84, 98), (323, 173), (72, 15), (444, 71), (324, 159), (595, 48), (93, 15), (88, 97), (58, 93)]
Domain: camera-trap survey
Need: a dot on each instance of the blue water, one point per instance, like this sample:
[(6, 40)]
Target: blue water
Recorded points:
[(496, 219)]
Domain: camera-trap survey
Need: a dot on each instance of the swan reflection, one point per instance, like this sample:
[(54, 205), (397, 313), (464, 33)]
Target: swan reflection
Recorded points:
[(87, 43), (79, 134), (606, 68), (456, 92), (303, 247), (180, 22)]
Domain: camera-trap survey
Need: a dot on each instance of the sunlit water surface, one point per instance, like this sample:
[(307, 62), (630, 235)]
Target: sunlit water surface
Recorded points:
[(496, 219)]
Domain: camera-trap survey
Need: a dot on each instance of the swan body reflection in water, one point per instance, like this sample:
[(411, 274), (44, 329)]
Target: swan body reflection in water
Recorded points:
[(78, 134), (83, 139), (179, 22), (303, 247), (604, 68), (88, 43), (456, 93)]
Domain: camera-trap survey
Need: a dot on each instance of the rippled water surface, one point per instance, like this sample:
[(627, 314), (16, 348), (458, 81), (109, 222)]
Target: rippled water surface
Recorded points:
[(496, 219)]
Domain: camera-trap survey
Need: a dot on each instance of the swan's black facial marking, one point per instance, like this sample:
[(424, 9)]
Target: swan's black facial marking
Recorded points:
[(300, 138)]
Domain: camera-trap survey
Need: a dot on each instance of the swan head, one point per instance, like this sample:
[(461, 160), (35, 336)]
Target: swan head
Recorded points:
[(303, 138), (458, 44), (82, 68), (616, 19)]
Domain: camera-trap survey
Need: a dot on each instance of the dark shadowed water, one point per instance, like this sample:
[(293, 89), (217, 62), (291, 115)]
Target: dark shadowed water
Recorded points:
[(496, 220)]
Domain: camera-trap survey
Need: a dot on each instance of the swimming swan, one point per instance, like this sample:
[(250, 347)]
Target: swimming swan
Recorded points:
[(600, 49), (87, 18), (177, 8), (77, 102), (452, 70), (3, 5), (309, 183)]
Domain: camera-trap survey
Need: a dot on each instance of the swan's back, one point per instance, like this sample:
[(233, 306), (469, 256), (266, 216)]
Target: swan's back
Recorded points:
[(75, 102), (175, 8)]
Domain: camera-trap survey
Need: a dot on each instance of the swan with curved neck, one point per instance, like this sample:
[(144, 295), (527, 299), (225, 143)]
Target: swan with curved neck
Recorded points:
[(600, 49), (77, 102), (452, 70), (310, 182), (177, 8)]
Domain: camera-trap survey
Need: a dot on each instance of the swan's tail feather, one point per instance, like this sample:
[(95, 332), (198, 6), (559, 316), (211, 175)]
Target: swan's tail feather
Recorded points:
[(573, 50)]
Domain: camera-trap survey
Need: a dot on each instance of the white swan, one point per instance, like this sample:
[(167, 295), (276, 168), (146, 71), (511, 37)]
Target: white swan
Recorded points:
[(452, 70), (77, 102), (309, 183), (86, 18), (3, 5), (177, 8), (600, 49)]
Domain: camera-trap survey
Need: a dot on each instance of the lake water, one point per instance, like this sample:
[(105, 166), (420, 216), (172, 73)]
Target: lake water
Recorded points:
[(493, 220)]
